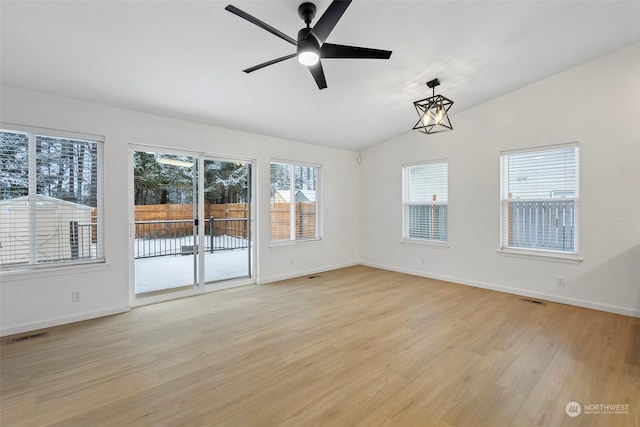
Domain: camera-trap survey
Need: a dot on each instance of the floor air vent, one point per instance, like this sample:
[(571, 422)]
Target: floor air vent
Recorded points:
[(313, 277), (532, 301), (27, 337)]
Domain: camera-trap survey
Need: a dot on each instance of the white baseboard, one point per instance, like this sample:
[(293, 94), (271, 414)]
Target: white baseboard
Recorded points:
[(28, 327), (516, 291), (272, 279), (626, 311)]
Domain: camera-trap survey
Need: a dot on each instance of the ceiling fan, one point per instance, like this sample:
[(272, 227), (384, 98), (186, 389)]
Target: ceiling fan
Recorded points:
[(311, 46)]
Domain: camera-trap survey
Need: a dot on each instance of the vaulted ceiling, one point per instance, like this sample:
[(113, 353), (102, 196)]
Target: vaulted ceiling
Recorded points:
[(185, 58)]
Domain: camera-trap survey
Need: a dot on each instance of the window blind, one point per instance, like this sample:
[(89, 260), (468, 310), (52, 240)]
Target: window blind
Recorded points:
[(426, 197), (539, 193), (50, 200)]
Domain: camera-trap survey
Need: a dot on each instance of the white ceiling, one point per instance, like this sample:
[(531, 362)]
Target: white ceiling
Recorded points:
[(184, 58)]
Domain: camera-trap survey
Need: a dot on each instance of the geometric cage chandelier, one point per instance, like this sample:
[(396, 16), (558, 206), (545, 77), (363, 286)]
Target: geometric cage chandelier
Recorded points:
[(433, 112)]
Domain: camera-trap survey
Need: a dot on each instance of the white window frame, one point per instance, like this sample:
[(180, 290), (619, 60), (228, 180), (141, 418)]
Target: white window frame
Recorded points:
[(535, 252), (405, 206), (318, 194), (32, 133)]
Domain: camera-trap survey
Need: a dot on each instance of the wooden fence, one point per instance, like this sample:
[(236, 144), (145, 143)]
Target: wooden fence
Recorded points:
[(176, 212), (305, 219)]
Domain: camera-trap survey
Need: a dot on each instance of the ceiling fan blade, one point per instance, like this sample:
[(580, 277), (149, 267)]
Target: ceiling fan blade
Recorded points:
[(329, 19), (329, 50), (259, 23), (318, 75), (266, 64)]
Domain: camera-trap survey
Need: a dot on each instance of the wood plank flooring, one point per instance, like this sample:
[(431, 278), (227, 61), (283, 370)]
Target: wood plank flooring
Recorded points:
[(353, 347)]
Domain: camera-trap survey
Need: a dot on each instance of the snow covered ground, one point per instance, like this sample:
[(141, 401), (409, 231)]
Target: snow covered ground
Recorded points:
[(170, 271)]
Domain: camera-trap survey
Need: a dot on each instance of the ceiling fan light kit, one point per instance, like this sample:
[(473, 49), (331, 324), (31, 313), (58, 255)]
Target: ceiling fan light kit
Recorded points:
[(310, 45), (308, 50), (433, 112)]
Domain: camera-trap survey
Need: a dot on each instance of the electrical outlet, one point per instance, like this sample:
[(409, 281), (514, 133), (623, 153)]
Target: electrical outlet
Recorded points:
[(291, 262), (75, 296), (560, 281), (423, 260)]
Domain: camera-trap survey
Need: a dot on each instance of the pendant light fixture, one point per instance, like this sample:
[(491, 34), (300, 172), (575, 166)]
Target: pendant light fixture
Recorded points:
[(433, 112)]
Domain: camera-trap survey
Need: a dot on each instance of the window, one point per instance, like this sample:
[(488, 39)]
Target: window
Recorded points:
[(425, 198), (539, 194), (50, 199), (295, 204)]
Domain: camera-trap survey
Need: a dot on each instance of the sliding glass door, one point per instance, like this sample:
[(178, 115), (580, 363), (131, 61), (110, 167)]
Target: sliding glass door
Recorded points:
[(165, 232), (227, 216), (192, 226)]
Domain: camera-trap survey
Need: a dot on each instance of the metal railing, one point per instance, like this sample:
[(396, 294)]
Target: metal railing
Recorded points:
[(542, 224), (428, 221), (226, 234), (176, 237)]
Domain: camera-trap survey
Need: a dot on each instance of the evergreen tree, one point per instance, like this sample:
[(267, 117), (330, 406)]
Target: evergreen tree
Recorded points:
[(65, 169), (161, 183), (14, 165), (226, 182)]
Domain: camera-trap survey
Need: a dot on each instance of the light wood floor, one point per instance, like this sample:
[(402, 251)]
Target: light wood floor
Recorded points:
[(357, 346)]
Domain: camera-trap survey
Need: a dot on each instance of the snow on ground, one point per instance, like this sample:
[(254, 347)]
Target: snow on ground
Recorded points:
[(166, 272)]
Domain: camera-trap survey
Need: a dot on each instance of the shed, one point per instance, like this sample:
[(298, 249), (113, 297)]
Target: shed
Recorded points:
[(305, 195), (64, 230), (284, 196)]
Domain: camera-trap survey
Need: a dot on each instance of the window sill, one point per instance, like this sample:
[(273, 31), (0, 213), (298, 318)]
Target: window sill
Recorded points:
[(294, 244), (541, 256), (430, 243), (50, 271)]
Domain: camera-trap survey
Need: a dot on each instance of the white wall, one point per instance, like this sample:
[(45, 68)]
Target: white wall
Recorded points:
[(43, 299), (597, 105)]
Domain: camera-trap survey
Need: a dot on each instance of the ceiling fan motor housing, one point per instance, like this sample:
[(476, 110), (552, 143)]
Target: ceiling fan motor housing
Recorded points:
[(307, 43), (307, 12)]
